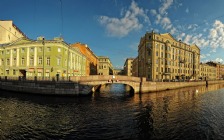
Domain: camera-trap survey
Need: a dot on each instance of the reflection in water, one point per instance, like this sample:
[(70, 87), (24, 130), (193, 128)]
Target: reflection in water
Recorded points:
[(187, 113)]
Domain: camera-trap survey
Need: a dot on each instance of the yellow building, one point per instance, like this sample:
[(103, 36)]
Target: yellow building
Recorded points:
[(9, 32), (219, 69), (208, 72), (105, 66), (41, 58), (128, 65), (162, 58)]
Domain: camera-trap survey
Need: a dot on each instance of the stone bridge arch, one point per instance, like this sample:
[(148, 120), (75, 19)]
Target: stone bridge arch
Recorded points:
[(88, 84)]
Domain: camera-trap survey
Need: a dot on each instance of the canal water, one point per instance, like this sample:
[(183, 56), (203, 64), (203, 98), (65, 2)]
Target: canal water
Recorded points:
[(187, 113)]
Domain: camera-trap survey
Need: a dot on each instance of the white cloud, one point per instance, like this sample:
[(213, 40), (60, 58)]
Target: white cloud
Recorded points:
[(166, 5), (192, 27), (202, 56), (187, 39), (153, 12), (216, 35), (162, 16), (219, 60), (121, 27)]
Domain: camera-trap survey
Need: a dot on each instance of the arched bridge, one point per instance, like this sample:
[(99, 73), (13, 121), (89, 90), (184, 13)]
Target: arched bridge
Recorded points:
[(88, 84)]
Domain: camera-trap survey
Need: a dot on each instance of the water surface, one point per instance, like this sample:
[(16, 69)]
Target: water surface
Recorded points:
[(188, 113)]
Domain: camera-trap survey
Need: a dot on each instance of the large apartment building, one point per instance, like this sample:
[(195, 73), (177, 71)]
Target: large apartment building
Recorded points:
[(9, 32), (163, 58), (91, 58), (42, 58), (105, 66)]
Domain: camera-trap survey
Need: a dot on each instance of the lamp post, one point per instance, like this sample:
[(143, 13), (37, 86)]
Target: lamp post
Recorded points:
[(43, 56)]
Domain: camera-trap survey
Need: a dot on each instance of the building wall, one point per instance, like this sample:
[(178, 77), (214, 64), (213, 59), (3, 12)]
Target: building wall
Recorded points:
[(25, 58), (208, 72), (161, 58), (128, 65), (92, 60), (135, 67), (9, 32), (105, 66)]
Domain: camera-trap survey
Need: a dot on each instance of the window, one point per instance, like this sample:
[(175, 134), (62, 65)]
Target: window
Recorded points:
[(14, 50), (14, 61), (22, 61), (40, 49), (40, 60), (65, 62), (7, 72), (31, 61), (48, 61), (58, 61), (59, 49), (48, 49), (23, 50), (7, 52), (14, 72), (8, 62), (39, 74), (32, 49)]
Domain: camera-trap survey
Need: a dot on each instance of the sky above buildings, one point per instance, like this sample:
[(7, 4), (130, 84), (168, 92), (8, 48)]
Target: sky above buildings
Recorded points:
[(113, 28)]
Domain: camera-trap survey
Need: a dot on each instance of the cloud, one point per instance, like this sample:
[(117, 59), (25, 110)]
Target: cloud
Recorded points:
[(162, 16), (216, 35), (166, 5), (120, 27), (202, 56), (219, 60)]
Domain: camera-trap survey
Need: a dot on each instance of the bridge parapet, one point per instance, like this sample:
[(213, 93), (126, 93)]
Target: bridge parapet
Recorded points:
[(88, 83), (104, 78)]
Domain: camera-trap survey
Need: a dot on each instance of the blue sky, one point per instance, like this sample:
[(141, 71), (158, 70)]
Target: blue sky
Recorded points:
[(113, 28)]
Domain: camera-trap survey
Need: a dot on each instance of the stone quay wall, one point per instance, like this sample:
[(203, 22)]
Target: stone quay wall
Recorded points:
[(85, 85), (160, 86), (41, 87)]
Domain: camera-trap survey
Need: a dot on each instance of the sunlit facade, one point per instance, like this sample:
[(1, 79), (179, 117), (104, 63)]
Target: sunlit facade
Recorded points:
[(207, 72), (128, 65), (162, 58), (91, 58), (41, 58), (9, 32), (105, 66)]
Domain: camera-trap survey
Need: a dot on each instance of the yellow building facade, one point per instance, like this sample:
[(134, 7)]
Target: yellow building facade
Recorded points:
[(44, 59), (128, 67), (162, 58), (208, 72), (105, 66), (9, 32)]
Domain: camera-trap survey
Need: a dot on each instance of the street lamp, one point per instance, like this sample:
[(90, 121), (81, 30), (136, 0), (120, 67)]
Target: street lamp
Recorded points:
[(43, 55)]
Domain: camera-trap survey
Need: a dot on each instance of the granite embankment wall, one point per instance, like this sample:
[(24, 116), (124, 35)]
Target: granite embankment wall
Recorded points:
[(41, 87), (75, 88), (160, 86)]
